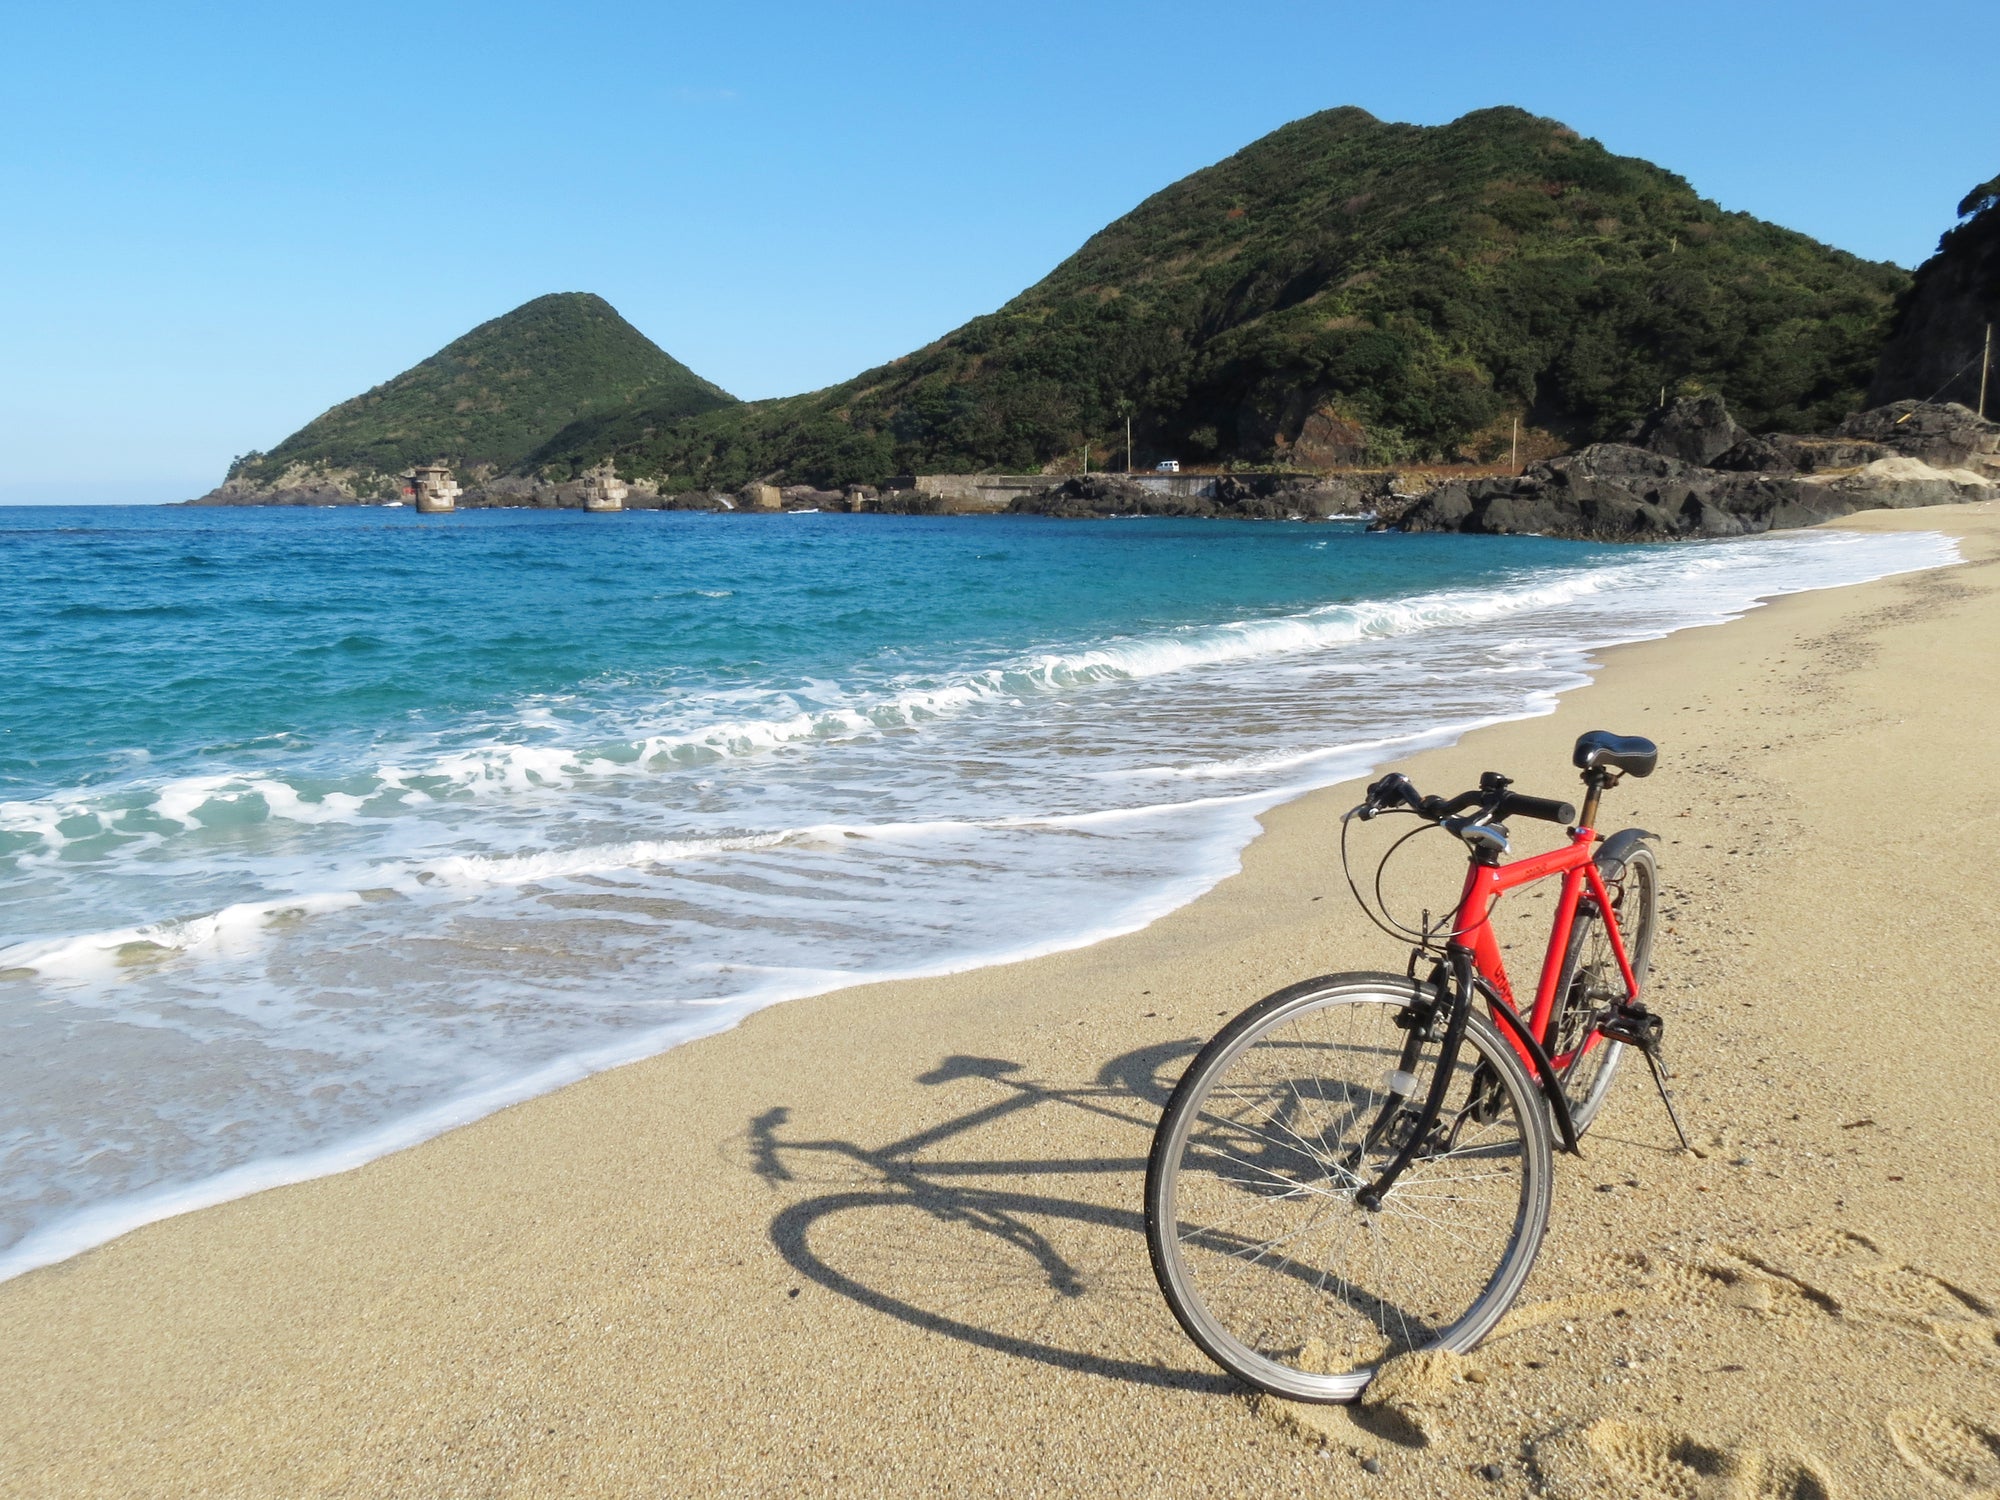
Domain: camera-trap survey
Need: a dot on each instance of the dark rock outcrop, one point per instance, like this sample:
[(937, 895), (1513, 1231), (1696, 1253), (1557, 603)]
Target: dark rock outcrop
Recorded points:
[(1606, 492), (1782, 453), (1622, 492), (908, 503), (1944, 435), (1693, 429)]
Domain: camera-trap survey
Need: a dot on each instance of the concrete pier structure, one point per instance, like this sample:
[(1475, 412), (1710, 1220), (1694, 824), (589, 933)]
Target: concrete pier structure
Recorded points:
[(602, 489), (432, 487)]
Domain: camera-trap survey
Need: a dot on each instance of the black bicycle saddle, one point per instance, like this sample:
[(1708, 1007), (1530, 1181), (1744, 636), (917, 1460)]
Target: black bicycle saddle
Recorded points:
[(1615, 752)]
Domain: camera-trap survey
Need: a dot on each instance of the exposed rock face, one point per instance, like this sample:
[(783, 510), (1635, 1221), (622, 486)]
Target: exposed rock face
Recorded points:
[(1944, 435), (1620, 492), (1606, 492), (806, 497), (304, 484), (1935, 344), (1327, 439), (1693, 429), (1245, 497), (1782, 453)]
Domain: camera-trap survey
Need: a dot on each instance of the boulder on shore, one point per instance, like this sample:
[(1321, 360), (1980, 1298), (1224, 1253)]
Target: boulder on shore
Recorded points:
[(1693, 429), (1942, 434)]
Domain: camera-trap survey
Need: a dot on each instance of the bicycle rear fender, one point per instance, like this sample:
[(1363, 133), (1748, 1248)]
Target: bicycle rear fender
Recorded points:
[(1615, 851)]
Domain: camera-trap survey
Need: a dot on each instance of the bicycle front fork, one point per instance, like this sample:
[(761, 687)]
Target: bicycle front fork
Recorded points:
[(1455, 990)]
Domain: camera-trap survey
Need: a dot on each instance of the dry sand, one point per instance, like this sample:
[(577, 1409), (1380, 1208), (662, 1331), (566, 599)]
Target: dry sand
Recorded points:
[(888, 1241)]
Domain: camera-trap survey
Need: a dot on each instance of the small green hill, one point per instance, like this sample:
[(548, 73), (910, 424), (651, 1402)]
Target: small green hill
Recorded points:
[(1342, 290), (485, 401)]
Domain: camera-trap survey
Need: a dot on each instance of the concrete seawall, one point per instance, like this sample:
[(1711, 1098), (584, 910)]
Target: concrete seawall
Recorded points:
[(995, 492)]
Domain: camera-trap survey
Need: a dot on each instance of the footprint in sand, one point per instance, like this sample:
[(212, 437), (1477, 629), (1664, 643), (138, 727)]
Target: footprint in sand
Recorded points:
[(1803, 1277), (1878, 1284), (1637, 1461), (1961, 1457), (1756, 1281), (1731, 1275)]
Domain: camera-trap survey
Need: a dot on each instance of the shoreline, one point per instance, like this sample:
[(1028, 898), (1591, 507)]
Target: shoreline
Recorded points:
[(656, 1264), (1217, 858)]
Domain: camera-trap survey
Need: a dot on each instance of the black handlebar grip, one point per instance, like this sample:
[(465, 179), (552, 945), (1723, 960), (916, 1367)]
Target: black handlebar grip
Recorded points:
[(1547, 809)]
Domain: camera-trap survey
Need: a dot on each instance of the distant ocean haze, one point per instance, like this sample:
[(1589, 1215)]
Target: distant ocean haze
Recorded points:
[(324, 830)]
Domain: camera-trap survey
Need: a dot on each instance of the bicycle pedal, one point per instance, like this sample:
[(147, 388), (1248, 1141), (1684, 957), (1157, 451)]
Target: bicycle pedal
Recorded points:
[(1633, 1025)]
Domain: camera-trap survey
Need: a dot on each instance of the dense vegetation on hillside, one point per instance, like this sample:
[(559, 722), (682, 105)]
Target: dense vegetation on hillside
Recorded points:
[(1342, 289), (1936, 346), (490, 398)]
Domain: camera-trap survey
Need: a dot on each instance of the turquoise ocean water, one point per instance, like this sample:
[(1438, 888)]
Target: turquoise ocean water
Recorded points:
[(324, 830)]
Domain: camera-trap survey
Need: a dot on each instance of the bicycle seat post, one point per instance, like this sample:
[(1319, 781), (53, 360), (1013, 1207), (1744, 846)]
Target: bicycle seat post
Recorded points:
[(1596, 779)]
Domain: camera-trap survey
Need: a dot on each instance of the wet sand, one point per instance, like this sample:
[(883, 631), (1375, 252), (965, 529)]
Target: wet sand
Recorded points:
[(888, 1241)]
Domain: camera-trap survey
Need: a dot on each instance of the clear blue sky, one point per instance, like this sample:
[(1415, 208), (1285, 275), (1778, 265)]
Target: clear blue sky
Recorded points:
[(221, 218)]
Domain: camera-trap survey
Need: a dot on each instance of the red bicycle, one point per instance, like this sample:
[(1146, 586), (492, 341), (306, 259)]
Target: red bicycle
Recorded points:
[(1361, 1164)]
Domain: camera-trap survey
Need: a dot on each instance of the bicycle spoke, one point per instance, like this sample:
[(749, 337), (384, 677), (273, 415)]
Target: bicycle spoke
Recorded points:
[(1273, 1257)]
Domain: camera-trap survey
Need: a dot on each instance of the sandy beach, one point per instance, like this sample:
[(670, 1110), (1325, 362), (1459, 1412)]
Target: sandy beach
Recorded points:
[(888, 1241)]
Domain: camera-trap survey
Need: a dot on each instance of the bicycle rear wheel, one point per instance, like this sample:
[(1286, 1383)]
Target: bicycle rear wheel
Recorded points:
[(1298, 1103), (1590, 983)]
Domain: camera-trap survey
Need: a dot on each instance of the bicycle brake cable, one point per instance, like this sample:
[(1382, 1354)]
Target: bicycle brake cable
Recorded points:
[(1429, 938), (1384, 920)]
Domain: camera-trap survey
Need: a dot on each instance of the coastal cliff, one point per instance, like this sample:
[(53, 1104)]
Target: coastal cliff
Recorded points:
[(1935, 347)]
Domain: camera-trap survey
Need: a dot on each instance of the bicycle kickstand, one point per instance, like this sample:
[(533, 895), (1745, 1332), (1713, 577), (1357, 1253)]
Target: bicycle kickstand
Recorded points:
[(1638, 1027), (1666, 1096)]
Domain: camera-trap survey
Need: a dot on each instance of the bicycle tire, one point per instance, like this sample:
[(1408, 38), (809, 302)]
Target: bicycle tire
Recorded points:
[(1397, 1279), (1589, 979)]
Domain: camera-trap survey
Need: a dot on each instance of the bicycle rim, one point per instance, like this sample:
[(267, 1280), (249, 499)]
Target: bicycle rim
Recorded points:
[(1256, 1239), (1591, 982)]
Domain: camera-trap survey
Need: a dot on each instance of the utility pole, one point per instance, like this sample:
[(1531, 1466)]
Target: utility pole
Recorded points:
[(1985, 368), (1125, 409), (1086, 458), (1514, 459)]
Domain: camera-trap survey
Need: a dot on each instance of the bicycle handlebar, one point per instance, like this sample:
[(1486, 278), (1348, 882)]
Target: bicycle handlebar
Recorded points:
[(1395, 790), (1546, 809)]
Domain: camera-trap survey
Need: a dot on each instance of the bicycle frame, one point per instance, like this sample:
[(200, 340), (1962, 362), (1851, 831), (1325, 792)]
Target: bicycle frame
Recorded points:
[(1486, 883)]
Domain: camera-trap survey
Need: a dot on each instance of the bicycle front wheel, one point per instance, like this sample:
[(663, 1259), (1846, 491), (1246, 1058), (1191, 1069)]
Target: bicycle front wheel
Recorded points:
[(1297, 1104)]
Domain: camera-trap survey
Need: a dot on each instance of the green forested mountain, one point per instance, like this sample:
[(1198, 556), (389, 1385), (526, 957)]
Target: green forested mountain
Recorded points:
[(485, 401), (1343, 289)]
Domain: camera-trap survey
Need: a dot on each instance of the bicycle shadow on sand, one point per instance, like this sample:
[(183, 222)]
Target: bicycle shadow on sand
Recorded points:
[(983, 1228)]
